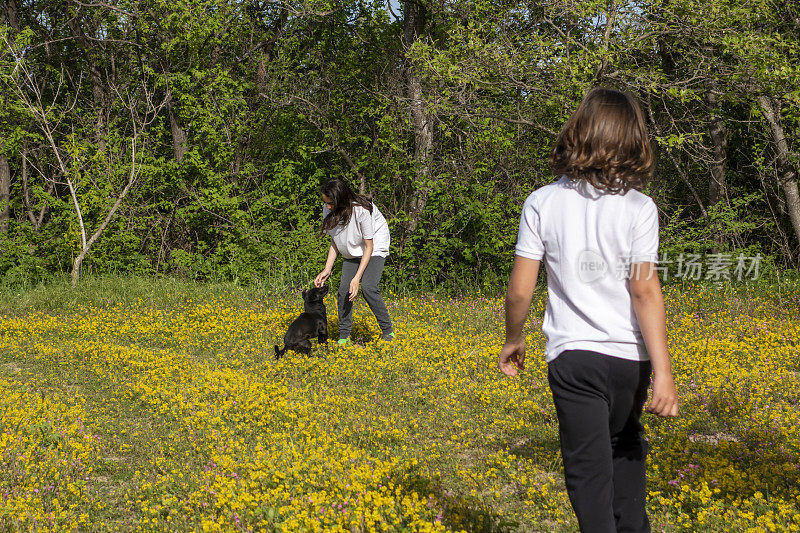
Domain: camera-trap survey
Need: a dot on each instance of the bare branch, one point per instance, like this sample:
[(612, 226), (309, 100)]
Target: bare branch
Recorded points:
[(106, 6), (675, 162)]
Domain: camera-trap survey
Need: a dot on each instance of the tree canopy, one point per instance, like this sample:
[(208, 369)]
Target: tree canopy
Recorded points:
[(190, 137)]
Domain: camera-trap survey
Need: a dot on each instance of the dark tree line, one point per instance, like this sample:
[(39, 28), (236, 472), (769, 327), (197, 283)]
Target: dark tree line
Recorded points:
[(189, 137)]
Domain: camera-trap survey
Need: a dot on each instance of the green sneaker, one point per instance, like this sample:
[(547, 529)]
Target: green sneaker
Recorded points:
[(344, 342), (388, 337)]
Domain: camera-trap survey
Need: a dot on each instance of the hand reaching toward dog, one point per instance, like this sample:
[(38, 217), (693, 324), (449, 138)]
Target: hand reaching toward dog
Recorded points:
[(512, 358), (322, 277)]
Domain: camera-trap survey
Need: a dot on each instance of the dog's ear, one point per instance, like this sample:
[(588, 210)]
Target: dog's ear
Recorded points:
[(305, 291), (324, 290)]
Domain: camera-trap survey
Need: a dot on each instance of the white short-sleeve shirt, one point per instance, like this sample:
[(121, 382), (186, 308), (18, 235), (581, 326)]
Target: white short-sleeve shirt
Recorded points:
[(349, 238), (588, 239)]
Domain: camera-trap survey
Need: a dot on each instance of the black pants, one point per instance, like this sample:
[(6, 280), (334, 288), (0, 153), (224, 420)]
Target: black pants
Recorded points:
[(598, 401), (370, 290)]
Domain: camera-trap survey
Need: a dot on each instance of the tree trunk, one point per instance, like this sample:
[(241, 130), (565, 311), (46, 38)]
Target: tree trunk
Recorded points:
[(261, 76), (717, 190), (11, 17), (96, 76), (787, 175), (423, 145), (275, 31), (717, 187), (11, 14), (179, 138), (75, 275), (414, 21), (5, 194)]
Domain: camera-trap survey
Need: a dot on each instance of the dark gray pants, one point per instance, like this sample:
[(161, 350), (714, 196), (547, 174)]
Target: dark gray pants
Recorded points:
[(598, 401), (369, 288)]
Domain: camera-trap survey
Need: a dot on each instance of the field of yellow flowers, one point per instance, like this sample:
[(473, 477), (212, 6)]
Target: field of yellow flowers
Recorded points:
[(135, 414)]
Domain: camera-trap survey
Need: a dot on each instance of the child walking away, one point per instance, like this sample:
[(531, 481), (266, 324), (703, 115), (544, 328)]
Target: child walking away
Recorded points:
[(360, 233), (605, 321)]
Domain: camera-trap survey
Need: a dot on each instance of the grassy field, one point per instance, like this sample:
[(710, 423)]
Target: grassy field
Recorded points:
[(155, 405)]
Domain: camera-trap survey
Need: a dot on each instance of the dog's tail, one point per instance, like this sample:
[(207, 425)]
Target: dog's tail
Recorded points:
[(279, 352)]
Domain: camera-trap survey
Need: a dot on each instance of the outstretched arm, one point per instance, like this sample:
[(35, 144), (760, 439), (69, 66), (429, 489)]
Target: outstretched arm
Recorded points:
[(323, 276)]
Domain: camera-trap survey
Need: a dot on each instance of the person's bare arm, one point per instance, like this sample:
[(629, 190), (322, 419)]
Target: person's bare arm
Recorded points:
[(362, 266), (648, 303), (519, 294), (323, 276)]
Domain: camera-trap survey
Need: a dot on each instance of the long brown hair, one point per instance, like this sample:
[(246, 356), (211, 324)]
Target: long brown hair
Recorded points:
[(343, 199), (605, 142)]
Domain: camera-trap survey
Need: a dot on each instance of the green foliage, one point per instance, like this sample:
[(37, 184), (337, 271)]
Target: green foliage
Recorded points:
[(469, 239), (726, 228), (273, 99)]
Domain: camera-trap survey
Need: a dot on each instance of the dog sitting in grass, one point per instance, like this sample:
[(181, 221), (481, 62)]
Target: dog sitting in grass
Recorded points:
[(312, 322)]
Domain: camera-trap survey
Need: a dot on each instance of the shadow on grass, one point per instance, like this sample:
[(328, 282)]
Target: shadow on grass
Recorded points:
[(456, 511), (361, 332), (542, 450), (738, 463)]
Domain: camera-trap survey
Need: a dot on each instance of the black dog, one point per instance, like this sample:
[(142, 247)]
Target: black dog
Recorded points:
[(312, 322)]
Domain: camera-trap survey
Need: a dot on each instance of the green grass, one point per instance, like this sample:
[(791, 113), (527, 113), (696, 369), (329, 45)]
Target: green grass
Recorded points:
[(486, 448)]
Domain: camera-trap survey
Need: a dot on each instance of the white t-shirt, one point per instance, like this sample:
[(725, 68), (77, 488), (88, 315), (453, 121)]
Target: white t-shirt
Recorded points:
[(588, 239), (349, 238)]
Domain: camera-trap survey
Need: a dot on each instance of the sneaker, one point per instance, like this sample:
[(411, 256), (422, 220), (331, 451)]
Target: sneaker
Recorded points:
[(343, 342), (389, 337)]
